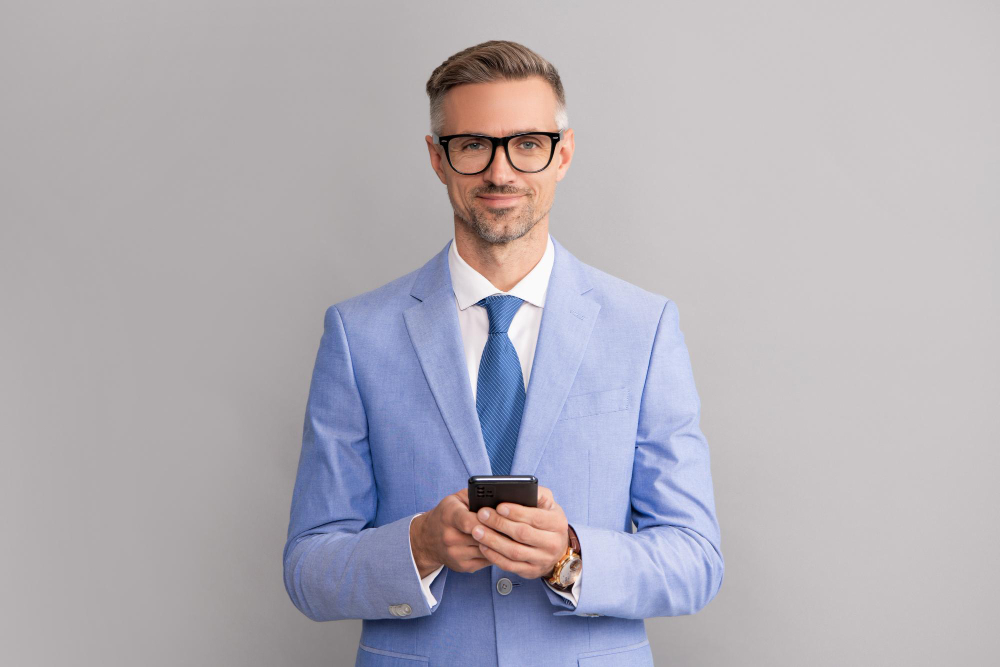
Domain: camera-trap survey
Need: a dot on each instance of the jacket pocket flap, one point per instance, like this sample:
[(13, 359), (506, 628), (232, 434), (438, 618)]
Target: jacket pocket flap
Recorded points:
[(633, 655)]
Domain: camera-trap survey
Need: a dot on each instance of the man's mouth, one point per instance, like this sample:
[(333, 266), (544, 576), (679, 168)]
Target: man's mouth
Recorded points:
[(499, 200)]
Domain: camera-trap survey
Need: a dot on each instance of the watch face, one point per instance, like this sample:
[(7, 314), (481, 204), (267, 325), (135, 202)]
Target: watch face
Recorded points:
[(570, 571)]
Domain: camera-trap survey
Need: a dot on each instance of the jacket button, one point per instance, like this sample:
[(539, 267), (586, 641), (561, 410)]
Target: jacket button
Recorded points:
[(504, 587)]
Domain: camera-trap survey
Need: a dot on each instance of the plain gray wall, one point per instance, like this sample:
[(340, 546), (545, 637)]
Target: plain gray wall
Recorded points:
[(186, 186)]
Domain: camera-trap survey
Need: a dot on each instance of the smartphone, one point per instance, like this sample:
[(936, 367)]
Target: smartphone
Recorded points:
[(491, 490)]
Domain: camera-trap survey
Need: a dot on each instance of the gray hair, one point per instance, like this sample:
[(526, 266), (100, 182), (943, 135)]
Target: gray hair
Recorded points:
[(494, 60)]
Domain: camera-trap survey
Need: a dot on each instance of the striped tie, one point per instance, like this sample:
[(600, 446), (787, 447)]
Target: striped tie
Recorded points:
[(500, 387)]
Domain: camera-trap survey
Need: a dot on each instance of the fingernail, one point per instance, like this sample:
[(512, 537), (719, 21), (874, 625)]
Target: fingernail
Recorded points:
[(486, 514), (477, 533), (504, 510)]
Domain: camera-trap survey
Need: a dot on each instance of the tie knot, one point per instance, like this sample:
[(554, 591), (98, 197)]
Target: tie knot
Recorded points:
[(501, 308)]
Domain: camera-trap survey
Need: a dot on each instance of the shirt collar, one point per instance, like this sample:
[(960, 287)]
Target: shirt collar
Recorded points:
[(471, 286)]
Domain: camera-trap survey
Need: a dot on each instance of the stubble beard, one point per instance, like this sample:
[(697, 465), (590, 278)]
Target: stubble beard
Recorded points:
[(500, 225)]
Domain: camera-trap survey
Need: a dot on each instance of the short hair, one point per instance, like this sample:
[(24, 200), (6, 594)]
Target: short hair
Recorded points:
[(495, 60)]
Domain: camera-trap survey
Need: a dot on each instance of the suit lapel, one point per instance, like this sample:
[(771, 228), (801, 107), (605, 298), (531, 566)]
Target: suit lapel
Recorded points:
[(437, 339), (567, 321)]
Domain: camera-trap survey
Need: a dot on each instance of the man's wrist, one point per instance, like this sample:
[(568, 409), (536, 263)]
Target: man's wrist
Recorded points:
[(425, 564), (574, 544)]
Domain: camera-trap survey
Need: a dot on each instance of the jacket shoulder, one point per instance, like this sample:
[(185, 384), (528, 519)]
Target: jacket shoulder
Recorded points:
[(621, 297)]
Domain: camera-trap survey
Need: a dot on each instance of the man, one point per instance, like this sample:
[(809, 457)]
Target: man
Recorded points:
[(504, 354)]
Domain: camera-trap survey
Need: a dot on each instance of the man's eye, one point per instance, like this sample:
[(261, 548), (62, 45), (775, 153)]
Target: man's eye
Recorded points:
[(472, 145), (528, 145)]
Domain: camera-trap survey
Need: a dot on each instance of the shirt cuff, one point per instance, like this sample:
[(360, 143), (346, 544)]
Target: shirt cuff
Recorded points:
[(425, 582), (573, 594)]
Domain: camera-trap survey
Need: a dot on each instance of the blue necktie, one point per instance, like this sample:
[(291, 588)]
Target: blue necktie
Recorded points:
[(500, 387)]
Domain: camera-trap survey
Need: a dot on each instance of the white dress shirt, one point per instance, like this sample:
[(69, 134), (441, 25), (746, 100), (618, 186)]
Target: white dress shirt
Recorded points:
[(470, 287)]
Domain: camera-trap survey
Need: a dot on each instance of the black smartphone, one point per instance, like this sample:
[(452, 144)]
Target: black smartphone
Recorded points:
[(491, 490)]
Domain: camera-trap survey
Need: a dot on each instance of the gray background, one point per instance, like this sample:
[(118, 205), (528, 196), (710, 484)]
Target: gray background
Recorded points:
[(186, 186)]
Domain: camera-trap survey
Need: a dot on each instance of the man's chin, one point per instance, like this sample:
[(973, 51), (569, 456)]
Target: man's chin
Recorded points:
[(499, 232)]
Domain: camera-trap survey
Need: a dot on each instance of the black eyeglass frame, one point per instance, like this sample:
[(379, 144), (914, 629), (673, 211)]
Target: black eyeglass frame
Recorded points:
[(499, 141)]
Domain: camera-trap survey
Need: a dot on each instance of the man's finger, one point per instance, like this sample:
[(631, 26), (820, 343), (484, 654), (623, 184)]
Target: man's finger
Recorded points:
[(509, 548), (541, 518), (523, 569), (516, 530), (545, 498)]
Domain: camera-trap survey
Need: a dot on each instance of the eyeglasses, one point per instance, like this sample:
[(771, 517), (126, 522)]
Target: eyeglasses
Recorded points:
[(528, 152)]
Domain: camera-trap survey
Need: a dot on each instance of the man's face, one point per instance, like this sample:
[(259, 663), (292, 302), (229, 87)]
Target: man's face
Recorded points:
[(501, 204)]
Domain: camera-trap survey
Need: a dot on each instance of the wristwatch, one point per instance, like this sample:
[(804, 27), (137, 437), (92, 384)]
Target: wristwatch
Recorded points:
[(567, 569)]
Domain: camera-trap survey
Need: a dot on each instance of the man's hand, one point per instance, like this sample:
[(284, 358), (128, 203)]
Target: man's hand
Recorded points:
[(527, 541), (444, 536)]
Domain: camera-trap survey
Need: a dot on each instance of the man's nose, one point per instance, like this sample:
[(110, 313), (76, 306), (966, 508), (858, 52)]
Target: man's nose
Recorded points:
[(500, 170)]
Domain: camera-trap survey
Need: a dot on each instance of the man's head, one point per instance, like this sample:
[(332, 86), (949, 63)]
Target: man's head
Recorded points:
[(497, 89)]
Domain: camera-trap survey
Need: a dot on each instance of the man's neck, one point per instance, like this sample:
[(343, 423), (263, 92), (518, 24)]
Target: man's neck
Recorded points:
[(504, 265)]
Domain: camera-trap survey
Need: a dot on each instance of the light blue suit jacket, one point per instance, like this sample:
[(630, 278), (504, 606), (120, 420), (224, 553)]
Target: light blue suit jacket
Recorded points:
[(610, 424)]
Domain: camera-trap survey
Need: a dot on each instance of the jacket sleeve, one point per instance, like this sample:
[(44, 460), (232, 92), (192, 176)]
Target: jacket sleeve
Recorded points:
[(672, 564), (337, 564)]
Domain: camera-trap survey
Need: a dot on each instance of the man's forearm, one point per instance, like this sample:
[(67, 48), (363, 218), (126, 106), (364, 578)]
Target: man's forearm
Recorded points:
[(330, 575), (658, 571)]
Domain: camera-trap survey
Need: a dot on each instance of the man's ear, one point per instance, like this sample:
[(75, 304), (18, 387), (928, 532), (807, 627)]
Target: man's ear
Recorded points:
[(564, 151), (436, 158)]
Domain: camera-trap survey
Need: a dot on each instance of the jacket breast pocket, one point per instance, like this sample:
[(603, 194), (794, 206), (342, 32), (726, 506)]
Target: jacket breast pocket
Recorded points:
[(595, 403)]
